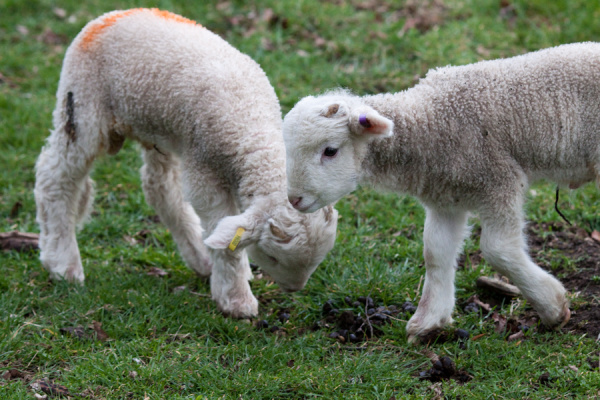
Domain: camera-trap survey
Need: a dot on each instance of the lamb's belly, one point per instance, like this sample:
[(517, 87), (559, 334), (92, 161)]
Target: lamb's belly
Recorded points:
[(571, 178), (437, 193), (148, 135)]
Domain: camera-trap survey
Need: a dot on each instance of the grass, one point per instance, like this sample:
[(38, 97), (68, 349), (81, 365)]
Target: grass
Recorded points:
[(165, 343)]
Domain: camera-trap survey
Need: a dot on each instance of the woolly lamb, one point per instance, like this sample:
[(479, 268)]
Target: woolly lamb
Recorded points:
[(209, 125), (468, 138)]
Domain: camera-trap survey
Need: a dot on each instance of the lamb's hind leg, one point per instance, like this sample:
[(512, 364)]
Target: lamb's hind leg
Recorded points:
[(504, 246), (64, 194), (162, 187), (443, 237)]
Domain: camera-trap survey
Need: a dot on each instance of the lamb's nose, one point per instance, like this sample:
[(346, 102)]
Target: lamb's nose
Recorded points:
[(295, 200)]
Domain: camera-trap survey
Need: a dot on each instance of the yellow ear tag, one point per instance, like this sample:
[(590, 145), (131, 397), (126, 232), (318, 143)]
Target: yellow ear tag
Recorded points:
[(236, 239)]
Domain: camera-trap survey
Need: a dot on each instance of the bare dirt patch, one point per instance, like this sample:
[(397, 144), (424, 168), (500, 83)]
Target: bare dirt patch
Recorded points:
[(358, 319), (550, 244), (568, 252), (583, 281)]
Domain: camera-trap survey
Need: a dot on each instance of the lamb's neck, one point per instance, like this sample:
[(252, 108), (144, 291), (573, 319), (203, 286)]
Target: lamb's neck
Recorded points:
[(400, 162), (262, 174)]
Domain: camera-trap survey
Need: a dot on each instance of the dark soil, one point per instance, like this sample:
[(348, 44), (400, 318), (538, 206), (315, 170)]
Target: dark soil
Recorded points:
[(443, 369), (355, 320), (572, 241), (583, 280), (358, 319), (363, 317)]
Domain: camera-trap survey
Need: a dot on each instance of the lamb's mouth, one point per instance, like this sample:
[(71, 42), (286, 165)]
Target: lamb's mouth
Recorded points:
[(304, 208)]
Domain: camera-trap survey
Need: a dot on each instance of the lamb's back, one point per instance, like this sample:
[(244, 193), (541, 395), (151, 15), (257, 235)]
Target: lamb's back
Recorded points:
[(162, 74), (542, 108)]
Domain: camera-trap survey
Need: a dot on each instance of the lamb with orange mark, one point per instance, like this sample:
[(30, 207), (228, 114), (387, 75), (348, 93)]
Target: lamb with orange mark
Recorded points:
[(209, 125)]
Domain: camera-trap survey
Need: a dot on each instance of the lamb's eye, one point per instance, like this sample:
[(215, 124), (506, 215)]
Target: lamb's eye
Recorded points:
[(330, 152)]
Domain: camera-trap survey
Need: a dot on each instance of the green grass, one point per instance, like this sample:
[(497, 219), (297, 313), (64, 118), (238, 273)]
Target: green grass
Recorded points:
[(170, 344)]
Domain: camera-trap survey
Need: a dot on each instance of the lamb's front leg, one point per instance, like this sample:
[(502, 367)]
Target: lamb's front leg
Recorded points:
[(231, 271), (229, 284), (443, 237)]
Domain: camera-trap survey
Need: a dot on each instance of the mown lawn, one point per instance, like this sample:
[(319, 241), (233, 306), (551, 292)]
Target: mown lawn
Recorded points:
[(133, 333)]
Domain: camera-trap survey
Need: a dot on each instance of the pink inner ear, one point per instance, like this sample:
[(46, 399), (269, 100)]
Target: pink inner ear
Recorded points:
[(373, 125)]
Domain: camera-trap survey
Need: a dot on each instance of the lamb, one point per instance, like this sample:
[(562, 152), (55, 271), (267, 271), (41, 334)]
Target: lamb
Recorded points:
[(464, 139), (209, 125)]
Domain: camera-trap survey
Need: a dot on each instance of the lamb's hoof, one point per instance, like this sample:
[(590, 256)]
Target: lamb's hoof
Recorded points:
[(241, 310), (73, 274), (421, 329), (414, 339), (566, 316), (429, 336), (558, 323)]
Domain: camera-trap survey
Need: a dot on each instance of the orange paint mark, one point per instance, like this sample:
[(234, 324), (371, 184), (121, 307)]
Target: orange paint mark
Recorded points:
[(173, 17), (94, 30)]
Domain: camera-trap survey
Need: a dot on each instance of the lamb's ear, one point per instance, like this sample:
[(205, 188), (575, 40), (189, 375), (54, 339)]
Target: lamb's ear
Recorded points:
[(234, 232), (371, 123), (278, 232), (334, 110)]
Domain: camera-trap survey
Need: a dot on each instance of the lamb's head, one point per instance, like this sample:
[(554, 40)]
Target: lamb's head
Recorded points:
[(326, 140), (286, 244)]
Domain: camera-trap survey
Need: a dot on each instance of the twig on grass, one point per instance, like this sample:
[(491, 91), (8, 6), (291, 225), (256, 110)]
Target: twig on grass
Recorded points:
[(200, 294), (367, 319)]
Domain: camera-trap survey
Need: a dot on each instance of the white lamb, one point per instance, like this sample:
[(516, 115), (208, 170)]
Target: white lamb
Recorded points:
[(209, 124), (468, 138)]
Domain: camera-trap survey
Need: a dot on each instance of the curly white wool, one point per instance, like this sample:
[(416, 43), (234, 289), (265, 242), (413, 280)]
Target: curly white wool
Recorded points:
[(209, 125), (466, 138)]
